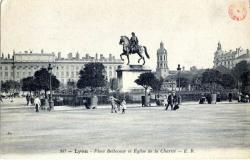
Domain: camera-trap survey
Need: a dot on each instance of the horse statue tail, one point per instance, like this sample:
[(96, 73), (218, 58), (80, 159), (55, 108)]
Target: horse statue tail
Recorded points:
[(146, 52)]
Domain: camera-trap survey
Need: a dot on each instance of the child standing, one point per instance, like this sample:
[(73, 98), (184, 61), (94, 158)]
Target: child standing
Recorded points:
[(123, 105)]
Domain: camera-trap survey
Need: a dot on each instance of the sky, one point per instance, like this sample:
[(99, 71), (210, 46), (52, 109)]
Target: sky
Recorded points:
[(190, 30)]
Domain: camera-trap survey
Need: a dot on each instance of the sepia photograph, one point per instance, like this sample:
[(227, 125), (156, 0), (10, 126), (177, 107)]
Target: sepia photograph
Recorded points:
[(134, 79)]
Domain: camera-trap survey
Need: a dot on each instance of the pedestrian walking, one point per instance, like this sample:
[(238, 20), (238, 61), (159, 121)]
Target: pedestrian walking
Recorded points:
[(113, 104), (123, 105), (27, 99), (176, 102), (170, 101), (230, 97), (37, 103), (247, 98), (165, 101), (1, 100)]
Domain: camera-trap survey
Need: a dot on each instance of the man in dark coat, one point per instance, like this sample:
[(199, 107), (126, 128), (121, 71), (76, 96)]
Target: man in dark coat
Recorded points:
[(170, 101)]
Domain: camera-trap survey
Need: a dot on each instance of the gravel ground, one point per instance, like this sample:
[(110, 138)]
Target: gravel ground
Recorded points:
[(193, 126)]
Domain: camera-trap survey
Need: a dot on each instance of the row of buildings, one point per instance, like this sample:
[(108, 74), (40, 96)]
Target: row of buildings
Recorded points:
[(21, 65), (230, 58)]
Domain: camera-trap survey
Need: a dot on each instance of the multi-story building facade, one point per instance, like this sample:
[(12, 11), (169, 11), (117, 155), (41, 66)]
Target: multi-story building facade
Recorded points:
[(162, 69), (22, 65), (230, 58)]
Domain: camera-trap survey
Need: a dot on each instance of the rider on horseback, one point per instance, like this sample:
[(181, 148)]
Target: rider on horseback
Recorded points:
[(133, 43)]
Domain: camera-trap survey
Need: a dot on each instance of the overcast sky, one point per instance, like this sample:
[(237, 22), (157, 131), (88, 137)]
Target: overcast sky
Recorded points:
[(190, 30)]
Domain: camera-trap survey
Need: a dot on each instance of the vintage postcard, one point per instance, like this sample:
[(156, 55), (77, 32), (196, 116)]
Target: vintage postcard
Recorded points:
[(133, 79)]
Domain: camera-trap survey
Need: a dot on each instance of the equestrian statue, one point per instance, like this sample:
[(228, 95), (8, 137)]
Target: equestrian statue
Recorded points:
[(131, 46)]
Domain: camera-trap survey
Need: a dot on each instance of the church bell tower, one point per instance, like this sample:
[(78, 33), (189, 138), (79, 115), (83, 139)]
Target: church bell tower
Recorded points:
[(162, 70)]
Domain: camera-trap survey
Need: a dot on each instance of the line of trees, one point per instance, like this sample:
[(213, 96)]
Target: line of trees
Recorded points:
[(216, 79), (40, 82)]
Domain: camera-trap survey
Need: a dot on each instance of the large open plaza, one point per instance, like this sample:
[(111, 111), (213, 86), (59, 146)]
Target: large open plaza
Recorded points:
[(194, 126)]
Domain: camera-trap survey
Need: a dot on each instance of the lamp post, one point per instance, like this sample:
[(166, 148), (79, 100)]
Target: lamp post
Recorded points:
[(50, 87), (179, 81)]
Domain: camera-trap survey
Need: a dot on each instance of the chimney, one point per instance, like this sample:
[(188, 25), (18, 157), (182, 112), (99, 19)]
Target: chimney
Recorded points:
[(2, 55), (8, 56), (101, 56), (96, 56), (70, 56), (77, 56), (14, 52), (110, 57), (87, 56), (247, 51), (42, 51), (59, 55)]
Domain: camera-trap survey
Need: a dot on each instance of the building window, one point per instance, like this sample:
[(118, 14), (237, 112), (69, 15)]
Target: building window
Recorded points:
[(1, 74), (67, 74), (72, 74), (110, 73), (6, 67), (0, 67), (62, 74)]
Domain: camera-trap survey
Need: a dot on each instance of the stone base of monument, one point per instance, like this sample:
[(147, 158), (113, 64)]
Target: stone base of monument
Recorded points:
[(127, 74)]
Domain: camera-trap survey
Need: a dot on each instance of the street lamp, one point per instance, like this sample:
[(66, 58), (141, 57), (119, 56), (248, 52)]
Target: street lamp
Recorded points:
[(179, 81), (50, 87)]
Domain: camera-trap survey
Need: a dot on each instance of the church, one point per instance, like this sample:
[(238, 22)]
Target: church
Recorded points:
[(162, 70)]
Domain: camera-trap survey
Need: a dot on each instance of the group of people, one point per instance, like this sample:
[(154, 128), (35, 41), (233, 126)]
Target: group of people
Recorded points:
[(172, 100), (34, 101), (117, 105)]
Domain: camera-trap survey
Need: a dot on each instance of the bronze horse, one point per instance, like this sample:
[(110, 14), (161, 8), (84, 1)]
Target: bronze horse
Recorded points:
[(127, 50)]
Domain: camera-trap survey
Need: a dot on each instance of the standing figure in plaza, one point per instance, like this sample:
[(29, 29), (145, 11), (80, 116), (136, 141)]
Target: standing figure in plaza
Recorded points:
[(123, 105), (113, 104), (230, 97), (131, 46), (177, 102), (37, 103), (27, 99), (170, 101)]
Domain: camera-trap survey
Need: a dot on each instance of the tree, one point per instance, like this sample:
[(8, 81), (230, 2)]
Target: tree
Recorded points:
[(185, 79), (42, 78), (184, 82), (240, 68), (211, 77), (223, 69), (146, 80), (228, 81), (245, 79), (156, 85), (92, 76), (239, 72), (28, 84), (11, 87)]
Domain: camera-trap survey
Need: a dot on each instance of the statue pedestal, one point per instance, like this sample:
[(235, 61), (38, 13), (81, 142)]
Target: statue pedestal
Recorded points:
[(127, 74)]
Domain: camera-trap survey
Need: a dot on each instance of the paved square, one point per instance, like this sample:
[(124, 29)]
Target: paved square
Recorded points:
[(192, 126)]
